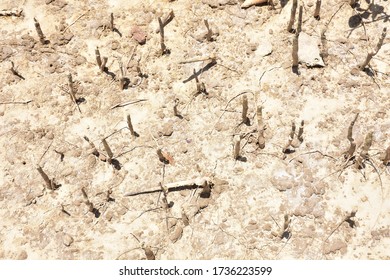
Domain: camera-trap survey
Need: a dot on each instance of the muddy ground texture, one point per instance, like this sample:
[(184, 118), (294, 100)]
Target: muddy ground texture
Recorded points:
[(300, 200)]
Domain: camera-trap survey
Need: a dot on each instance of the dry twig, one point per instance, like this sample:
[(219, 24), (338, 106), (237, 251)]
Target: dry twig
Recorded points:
[(15, 102), (371, 54), (49, 183), (108, 150), (260, 127), (112, 22), (300, 15), (286, 148), (42, 38), (13, 12), (292, 16), (123, 104), (386, 159), (164, 49), (166, 20), (364, 153), (197, 182), (352, 146), (130, 125), (317, 10), (244, 115), (236, 149), (14, 71)]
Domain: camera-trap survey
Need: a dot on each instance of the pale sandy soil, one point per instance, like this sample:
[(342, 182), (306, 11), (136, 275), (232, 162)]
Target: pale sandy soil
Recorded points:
[(314, 186)]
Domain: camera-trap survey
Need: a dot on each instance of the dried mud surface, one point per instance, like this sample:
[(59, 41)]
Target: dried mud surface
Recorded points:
[(309, 203)]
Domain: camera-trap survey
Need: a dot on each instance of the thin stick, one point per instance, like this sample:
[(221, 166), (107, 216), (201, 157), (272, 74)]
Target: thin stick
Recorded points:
[(260, 127), (244, 116), (166, 20), (324, 43), (103, 65), (13, 70), (346, 219), (95, 152), (227, 104), (317, 10), (211, 57), (184, 217), (236, 151), (295, 49), (71, 91), (197, 182), (122, 75), (16, 102), (39, 31), (300, 15), (290, 138), (286, 226), (386, 159), (130, 125), (364, 153), (175, 112), (300, 131), (74, 21), (163, 46), (13, 12), (49, 183), (352, 146), (209, 32), (370, 55), (148, 253), (161, 157), (123, 104), (312, 152), (350, 128), (98, 58), (292, 16), (108, 149), (200, 87), (87, 201), (112, 21)]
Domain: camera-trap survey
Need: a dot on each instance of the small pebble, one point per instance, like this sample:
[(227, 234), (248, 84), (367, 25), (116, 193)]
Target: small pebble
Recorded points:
[(67, 240)]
